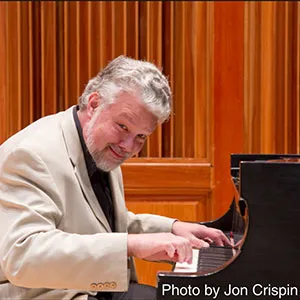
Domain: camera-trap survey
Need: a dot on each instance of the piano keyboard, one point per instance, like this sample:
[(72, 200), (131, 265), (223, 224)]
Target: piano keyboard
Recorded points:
[(211, 258), (208, 259)]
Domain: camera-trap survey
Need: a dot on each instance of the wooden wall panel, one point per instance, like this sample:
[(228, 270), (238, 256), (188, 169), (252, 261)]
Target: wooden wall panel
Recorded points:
[(267, 73), (188, 83), (168, 178), (228, 97), (150, 35), (168, 68), (60, 71), (202, 52), (36, 59), (26, 61), (13, 60), (48, 58), (84, 43), (252, 79), (183, 209), (132, 25), (271, 76), (73, 71), (3, 72), (119, 28), (95, 38), (64, 44), (178, 88)]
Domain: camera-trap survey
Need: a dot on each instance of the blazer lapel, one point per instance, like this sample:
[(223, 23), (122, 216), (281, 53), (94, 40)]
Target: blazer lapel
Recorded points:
[(77, 158), (118, 200)]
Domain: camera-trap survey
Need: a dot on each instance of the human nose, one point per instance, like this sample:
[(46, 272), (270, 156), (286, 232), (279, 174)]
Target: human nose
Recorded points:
[(127, 144)]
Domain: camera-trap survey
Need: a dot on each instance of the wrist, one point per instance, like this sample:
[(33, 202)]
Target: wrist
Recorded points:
[(131, 244), (174, 225)]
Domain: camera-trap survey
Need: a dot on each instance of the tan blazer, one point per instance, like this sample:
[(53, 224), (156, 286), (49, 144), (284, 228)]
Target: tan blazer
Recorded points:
[(55, 242)]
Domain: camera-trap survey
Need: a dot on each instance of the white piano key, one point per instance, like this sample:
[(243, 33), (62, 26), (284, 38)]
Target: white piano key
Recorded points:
[(185, 267)]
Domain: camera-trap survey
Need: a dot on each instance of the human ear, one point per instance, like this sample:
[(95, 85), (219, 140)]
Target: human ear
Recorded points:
[(93, 103)]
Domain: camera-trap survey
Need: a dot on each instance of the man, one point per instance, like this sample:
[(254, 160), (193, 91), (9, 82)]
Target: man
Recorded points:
[(65, 232)]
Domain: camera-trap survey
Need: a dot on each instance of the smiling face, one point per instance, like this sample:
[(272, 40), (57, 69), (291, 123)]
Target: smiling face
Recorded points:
[(118, 131)]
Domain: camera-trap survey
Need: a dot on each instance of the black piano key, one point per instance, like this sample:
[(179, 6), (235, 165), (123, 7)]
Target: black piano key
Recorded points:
[(213, 257)]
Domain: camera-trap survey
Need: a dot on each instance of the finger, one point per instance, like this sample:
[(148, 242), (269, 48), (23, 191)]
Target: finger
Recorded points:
[(221, 239), (219, 242), (208, 240), (188, 251), (228, 242), (170, 250), (190, 255), (174, 259), (184, 249), (161, 256), (198, 243), (181, 253)]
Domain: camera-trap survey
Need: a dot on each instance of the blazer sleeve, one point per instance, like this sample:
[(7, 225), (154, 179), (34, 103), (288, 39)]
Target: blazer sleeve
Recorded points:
[(34, 253), (148, 223)]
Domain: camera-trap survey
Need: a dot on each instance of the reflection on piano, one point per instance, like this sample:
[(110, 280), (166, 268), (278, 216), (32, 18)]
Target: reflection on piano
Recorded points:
[(264, 220)]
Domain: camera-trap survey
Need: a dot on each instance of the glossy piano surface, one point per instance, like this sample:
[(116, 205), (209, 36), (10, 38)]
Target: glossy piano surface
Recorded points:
[(267, 264)]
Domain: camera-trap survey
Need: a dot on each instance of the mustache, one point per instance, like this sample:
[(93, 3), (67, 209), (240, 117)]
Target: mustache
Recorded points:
[(119, 151)]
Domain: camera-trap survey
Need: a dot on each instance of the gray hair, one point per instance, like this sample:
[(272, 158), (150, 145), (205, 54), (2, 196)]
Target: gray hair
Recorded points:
[(124, 74)]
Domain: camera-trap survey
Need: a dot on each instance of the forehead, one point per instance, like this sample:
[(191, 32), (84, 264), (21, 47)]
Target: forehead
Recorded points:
[(130, 108)]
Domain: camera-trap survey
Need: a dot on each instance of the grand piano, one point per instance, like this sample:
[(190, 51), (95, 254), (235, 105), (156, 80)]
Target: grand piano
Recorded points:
[(264, 221)]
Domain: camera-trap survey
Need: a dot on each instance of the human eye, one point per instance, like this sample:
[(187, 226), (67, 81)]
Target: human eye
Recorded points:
[(122, 126), (142, 137)]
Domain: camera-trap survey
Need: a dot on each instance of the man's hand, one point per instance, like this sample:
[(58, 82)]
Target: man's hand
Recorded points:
[(159, 246), (200, 235)]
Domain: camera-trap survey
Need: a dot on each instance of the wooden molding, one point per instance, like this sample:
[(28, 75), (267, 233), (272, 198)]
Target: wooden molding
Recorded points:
[(167, 178)]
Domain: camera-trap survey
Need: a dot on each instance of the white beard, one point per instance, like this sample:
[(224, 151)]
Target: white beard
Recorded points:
[(99, 155)]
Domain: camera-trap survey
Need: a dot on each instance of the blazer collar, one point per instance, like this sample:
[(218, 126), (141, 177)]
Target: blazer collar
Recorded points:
[(76, 156)]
